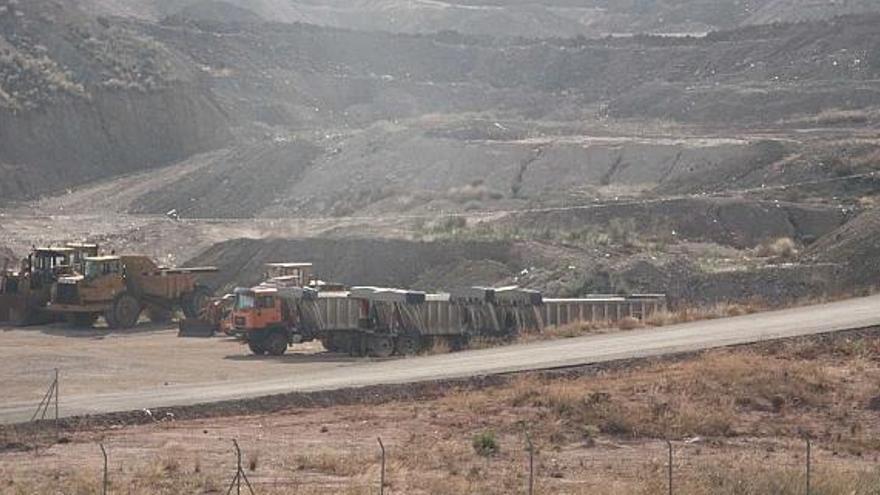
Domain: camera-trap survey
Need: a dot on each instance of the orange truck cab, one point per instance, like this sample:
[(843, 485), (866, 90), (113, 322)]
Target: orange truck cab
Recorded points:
[(268, 317)]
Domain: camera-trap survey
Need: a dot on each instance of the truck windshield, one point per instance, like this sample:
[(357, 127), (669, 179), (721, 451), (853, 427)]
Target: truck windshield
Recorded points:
[(92, 269), (244, 301)]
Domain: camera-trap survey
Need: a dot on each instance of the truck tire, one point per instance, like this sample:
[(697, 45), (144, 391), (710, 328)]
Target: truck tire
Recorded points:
[(22, 317), (159, 315), (110, 318), (196, 301), (126, 311), (256, 348), (275, 343), (380, 346), (408, 344), (327, 342), (81, 320)]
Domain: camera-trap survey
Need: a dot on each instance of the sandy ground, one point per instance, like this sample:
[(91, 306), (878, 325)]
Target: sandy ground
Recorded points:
[(97, 361), (128, 372), (722, 444)]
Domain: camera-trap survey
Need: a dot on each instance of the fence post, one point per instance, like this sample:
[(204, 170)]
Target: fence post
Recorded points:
[(57, 388), (382, 472), (239, 474), (669, 466), (809, 461), (531, 449), (104, 453), (46, 401)]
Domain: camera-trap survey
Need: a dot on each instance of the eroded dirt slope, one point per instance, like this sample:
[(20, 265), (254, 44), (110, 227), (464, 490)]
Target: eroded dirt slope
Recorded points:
[(82, 99)]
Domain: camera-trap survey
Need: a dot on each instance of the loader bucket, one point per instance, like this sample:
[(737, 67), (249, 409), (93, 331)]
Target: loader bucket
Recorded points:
[(14, 310), (191, 327)]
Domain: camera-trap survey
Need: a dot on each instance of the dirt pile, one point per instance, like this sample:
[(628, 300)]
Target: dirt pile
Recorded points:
[(214, 11), (187, 85), (238, 184), (7, 257), (82, 98), (344, 75), (542, 18), (389, 263), (740, 223), (855, 247)]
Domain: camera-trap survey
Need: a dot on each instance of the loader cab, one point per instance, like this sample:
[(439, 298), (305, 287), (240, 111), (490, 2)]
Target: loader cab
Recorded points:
[(100, 266), (79, 253), (298, 274), (45, 265)]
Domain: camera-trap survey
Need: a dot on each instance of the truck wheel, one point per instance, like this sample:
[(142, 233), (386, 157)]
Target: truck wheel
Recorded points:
[(357, 345), (126, 311), (110, 318), (196, 301), (380, 346), (329, 344), (275, 344), (22, 317), (159, 315), (256, 348), (408, 345), (82, 320)]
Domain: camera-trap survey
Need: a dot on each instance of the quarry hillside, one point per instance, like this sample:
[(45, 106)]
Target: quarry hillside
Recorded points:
[(687, 146), (544, 18)]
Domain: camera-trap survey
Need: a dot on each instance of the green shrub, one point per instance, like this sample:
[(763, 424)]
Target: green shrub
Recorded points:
[(485, 444)]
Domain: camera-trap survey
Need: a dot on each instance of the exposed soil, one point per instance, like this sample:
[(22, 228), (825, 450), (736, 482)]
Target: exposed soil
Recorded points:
[(857, 246), (591, 431), (150, 357), (545, 18), (384, 263)]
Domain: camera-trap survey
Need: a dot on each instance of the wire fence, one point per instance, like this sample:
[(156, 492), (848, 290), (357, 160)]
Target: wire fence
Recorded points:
[(668, 461), (666, 466)]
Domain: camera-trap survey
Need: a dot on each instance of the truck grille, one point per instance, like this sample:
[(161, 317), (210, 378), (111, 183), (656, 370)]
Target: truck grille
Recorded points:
[(66, 294)]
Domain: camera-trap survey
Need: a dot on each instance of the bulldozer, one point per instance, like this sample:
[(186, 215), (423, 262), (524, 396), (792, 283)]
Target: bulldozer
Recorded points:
[(24, 293), (120, 288), (215, 317)]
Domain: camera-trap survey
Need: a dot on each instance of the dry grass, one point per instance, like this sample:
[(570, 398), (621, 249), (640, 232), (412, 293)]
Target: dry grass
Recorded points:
[(783, 249), (598, 433), (657, 319), (713, 312), (330, 462)]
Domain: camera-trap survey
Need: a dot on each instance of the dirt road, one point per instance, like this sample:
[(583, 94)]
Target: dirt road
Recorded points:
[(286, 376)]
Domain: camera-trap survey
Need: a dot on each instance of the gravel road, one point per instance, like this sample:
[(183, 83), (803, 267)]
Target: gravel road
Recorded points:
[(287, 376)]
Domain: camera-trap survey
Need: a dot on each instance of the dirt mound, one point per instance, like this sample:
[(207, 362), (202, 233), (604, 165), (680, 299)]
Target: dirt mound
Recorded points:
[(189, 85), (238, 184), (541, 18), (798, 10), (215, 11), (7, 257), (740, 223), (461, 274), (856, 247), (82, 98), (390, 263)]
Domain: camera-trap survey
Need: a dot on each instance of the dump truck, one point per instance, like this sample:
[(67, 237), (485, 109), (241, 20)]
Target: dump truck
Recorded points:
[(216, 317), (25, 293), (377, 321), (273, 315), (120, 288)]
